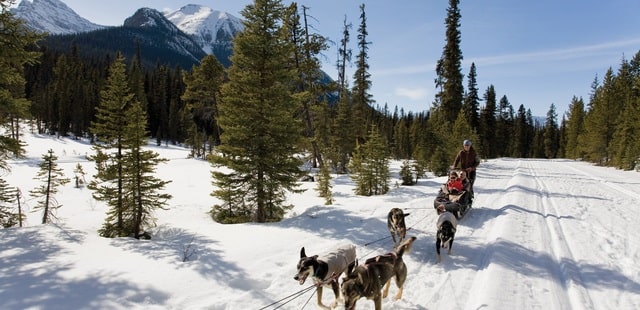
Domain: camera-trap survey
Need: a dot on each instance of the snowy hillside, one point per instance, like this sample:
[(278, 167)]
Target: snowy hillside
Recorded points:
[(210, 28), (53, 16), (542, 235)]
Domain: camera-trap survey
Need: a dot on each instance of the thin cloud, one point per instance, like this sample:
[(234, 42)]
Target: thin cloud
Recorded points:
[(530, 57), (556, 54), (414, 94)]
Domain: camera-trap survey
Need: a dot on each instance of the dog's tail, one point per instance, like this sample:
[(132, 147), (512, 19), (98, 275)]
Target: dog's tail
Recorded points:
[(405, 246)]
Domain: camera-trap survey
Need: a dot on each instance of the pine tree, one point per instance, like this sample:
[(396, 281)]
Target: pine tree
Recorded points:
[(52, 177), (575, 126), (362, 98), (343, 138), (261, 133), (344, 58), (488, 123), (405, 173), (8, 217), (140, 185), (462, 131), (551, 133), (471, 104), (15, 38), (111, 121), (521, 137), (503, 133), (308, 89), (201, 99), (449, 67), (600, 121), (324, 185), (370, 166)]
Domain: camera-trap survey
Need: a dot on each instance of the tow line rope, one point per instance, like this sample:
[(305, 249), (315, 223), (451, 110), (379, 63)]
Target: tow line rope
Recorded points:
[(334, 276)]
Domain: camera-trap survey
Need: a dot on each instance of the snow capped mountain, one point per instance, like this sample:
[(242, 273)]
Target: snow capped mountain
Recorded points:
[(167, 32), (211, 29), (52, 16)]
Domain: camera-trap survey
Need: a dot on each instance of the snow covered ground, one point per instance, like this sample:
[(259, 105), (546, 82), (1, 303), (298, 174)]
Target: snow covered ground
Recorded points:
[(543, 234)]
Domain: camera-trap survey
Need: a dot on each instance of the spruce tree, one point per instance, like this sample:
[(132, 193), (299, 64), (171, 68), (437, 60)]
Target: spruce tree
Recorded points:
[(406, 175), (487, 127), (8, 217), (52, 177), (261, 133), (370, 166), (471, 104), (503, 132), (324, 185), (344, 58), (521, 136), (449, 67), (575, 126), (598, 121), (16, 40), (308, 89), (201, 99), (141, 187), (108, 129), (551, 133), (361, 96)]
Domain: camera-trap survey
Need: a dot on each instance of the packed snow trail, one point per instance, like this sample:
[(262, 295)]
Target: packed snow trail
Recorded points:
[(528, 244)]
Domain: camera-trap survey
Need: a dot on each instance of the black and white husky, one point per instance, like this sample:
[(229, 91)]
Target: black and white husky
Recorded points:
[(447, 225), (325, 270)]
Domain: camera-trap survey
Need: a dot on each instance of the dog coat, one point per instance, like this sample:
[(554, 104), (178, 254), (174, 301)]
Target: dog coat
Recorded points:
[(339, 259), (447, 216)]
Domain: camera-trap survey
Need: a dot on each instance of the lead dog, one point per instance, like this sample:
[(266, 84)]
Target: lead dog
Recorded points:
[(326, 270), (396, 225), (446, 225), (368, 280)]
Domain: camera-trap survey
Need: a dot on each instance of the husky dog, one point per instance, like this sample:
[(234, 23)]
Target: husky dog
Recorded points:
[(368, 280), (396, 225), (326, 270), (446, 225)]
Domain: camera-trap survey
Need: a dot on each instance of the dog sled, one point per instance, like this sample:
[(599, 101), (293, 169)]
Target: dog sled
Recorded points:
[(454, 196)]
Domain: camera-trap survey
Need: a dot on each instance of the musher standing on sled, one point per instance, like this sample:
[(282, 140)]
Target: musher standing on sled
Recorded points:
[(468, 161)]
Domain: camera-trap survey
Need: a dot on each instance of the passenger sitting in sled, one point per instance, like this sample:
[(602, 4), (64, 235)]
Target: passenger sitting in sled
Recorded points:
[(452, 196), (454, 184), (466, 183)]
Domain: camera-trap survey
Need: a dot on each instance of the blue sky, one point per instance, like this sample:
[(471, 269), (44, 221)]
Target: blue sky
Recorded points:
[(534, 52)]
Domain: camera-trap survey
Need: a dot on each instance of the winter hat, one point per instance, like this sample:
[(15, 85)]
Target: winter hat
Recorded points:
[(466, 143)]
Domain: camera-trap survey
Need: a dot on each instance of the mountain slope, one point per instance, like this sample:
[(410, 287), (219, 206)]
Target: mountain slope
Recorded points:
[(212, 30), (158, 39), (52, 16)]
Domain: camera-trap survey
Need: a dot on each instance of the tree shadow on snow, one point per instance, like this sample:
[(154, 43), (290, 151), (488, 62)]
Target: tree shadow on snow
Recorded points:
[(533, 264), (38, 285)]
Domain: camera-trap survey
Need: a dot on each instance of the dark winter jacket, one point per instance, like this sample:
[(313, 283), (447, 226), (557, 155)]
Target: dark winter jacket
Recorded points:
[(467, 159)]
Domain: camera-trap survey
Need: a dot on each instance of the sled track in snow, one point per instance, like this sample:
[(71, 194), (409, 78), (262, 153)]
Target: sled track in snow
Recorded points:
[(606, 182), (576, 294)]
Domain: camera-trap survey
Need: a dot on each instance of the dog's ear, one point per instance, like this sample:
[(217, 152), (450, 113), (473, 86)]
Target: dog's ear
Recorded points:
[(406, 214), (302, 254)]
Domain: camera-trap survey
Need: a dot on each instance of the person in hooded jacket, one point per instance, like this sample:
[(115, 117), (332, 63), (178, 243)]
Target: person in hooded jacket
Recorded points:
[(467, 160)]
